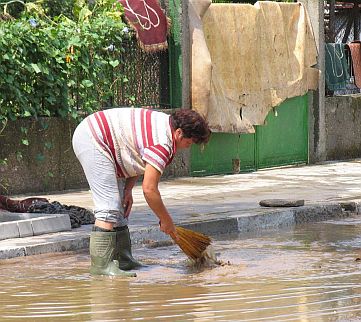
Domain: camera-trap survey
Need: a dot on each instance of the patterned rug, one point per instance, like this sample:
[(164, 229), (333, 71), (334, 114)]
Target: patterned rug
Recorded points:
[(150, 23)]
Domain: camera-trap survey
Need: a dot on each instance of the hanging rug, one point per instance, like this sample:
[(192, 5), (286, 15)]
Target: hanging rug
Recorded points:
[(150, 23)]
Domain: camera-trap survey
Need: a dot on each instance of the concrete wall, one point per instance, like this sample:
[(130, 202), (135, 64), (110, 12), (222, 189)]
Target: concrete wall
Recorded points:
[(343, 130), (48, 163)]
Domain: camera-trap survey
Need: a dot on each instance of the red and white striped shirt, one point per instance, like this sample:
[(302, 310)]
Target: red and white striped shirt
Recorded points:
[(132, 137)]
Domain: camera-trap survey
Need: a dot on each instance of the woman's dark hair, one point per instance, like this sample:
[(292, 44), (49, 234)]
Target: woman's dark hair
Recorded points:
[(192, 124)]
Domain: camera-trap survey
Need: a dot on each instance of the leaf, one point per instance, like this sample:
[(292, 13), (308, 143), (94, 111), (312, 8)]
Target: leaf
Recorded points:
[(71, 83), (36, 68), (25, 141), (74, 115), (47, 112), (24, 130), (19, 155), (114, 63), (84, 14), (27, 114), (4, 161), (87, 83)]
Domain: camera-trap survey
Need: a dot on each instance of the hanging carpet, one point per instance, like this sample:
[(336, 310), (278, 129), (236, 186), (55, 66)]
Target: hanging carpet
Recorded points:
[(149, 21)]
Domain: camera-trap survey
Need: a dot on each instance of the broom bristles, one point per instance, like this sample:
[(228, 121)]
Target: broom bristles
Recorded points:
[(192, 243)]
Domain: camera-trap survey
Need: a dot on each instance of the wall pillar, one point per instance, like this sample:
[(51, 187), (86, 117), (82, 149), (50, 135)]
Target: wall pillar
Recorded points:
[(317, 115)]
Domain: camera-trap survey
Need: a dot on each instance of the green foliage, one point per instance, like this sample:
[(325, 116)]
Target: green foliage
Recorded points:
[(59, 66), (51, 8), (55, 8), (4, 161)]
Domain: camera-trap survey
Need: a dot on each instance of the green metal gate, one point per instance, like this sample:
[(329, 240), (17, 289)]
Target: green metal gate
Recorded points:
[(283, 140)]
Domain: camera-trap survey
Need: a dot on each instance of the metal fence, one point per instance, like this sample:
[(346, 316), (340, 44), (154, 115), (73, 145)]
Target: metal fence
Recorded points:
[(342, 21), (147, 78)]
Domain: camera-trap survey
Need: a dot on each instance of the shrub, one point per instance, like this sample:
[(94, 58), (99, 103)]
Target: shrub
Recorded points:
[(51, 67)]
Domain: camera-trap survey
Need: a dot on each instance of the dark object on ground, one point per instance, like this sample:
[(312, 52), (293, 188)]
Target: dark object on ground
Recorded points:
[(78, 215), (281, 203), (156, 243), (349, 206), (13, 205)]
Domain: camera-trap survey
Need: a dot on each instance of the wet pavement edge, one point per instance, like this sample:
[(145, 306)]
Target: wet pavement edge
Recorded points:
[(228, 223)]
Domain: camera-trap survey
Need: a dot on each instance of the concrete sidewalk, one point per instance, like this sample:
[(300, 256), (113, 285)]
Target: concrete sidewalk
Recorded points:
[(220, 204)]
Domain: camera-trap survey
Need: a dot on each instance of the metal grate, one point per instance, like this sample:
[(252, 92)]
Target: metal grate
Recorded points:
[(342, 21), (146, 78)]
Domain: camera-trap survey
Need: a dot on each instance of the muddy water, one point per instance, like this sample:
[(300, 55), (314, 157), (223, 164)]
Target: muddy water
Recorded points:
[(307, 274)]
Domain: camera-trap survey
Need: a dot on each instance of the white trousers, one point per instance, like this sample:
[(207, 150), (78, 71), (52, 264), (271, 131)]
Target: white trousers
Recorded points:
[(107, 190)]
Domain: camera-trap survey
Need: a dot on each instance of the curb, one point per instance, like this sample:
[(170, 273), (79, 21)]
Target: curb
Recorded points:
[(234, 223), (275, 219)]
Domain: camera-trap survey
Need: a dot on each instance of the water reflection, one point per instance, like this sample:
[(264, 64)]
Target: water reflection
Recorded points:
[(309, 274)]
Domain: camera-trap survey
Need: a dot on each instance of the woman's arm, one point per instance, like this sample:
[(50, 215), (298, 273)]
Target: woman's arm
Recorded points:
[(154, 199)]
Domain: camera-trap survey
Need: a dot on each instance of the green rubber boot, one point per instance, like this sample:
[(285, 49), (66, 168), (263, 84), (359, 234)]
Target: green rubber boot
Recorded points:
[(102, 255), (124, 250)]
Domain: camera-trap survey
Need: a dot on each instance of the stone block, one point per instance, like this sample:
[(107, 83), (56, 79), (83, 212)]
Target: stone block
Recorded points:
[(51, 224), (11, 252), (58, 246), (271, 220), (25, 228), (9, 230)]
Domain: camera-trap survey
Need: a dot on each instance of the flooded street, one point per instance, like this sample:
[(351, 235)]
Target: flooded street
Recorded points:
[(307, 274)]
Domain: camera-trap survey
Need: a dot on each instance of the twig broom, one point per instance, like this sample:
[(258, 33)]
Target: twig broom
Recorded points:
[(192, 243)]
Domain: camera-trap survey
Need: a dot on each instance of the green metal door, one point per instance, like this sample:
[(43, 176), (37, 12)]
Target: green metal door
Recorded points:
[(222, 154), (283, 140)]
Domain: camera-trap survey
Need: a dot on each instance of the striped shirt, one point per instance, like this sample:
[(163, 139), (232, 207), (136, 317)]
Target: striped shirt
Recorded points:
[(132, 137)]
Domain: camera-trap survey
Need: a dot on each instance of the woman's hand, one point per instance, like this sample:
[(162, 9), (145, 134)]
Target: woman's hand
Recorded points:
[(127, 202), (167, 226)]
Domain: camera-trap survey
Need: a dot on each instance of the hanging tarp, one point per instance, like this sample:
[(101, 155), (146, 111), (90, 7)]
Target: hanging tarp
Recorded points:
[(201, 63), (260, 55)]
